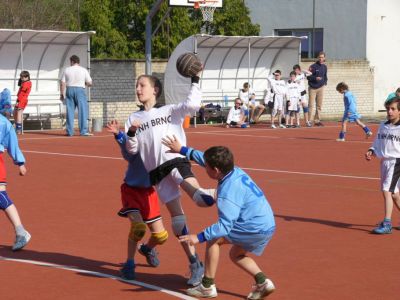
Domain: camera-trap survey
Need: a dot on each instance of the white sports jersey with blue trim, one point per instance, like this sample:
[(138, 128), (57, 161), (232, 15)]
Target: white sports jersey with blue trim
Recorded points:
[(387, 141), (157, 123)]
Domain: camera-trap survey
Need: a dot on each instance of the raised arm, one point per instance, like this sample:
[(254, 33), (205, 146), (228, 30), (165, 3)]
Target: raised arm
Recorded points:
[(120, 137), (192, 103), (175, 147)]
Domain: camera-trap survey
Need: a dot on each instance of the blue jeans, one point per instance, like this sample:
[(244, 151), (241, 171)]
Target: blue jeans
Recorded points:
[(76, 97)]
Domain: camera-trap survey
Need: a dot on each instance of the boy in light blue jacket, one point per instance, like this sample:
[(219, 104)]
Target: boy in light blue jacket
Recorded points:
[(245, 219)]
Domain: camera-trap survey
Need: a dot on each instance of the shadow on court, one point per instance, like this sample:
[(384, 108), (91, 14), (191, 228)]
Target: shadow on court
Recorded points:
[(62, 259), (326, 222)]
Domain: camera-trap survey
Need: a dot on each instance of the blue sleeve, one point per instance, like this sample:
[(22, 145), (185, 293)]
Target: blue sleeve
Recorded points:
[(10, 142), (121, 141), (192, 154), (228, 213), (351, 103)]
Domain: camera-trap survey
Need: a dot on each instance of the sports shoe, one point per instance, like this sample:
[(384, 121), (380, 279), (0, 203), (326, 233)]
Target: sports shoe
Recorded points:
[(288, 126), (151, 256), (319, 124), (128, 270), (308, 124), (383, 228), (87, 134), (196, 273), (273, 126), (260, 291), (340, 140), (203, 292), (368, 134), (282, 126), (21, 241)]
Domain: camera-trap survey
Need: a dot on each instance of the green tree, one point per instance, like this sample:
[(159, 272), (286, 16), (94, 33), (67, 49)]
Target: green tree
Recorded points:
[(108, 42), (39, 14), (120, 26)]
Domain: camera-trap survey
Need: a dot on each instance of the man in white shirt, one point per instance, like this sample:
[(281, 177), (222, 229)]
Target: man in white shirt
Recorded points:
[(73, 82)]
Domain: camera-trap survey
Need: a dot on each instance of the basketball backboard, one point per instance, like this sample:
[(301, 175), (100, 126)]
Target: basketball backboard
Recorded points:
[(191, 3)]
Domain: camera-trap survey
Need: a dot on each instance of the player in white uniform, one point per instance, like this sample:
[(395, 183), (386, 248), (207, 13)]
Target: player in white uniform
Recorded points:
[(278, 88), (167, 171), (236, 116), (387, 147), (294, 97), (301, 79)]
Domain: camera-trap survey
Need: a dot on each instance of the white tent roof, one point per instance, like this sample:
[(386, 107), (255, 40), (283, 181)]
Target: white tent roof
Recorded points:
[(229, 61), (43, 53)]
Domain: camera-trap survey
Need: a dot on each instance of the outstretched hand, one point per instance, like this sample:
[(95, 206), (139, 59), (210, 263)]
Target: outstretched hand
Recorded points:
[(22, 170), (191, 239), (113, 127), (135, 124), (368, 155), (172, 143)]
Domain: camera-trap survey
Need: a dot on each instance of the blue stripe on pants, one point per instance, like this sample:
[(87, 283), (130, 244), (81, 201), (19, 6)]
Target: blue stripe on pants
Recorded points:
[(76, 97)]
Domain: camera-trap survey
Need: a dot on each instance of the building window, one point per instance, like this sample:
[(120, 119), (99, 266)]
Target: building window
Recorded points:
[(307, 50)]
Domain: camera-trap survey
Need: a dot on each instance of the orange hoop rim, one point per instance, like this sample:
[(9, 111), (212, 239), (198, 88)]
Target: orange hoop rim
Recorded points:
[(197, 3)]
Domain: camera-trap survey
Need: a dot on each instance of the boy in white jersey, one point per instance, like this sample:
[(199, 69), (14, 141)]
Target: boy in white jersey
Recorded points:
[(387, 147), (278, 88), (248, 98), (300, 78), (236, 116), (293, 95), (167, 171)]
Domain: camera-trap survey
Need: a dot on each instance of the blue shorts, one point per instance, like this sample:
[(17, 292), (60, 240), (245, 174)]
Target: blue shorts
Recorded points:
[(251, 242), (352, 118)]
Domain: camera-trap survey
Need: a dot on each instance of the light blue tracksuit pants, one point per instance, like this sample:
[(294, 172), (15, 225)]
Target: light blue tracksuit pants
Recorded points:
[(76, 97)]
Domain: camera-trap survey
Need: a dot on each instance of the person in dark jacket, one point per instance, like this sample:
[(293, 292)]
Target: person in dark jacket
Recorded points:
[(316, 85)]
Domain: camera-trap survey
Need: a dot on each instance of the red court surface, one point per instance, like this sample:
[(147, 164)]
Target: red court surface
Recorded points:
[(325, 197)]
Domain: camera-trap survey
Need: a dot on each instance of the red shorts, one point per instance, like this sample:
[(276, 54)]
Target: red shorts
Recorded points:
[(142, 200), (2, 170), (21, 103)]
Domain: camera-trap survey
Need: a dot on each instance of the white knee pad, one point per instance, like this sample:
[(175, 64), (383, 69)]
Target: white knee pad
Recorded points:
[(204, 197), (179, 225)]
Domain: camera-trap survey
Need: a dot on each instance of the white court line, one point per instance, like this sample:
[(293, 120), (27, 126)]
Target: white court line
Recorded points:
[(249, 169), (63, 137), (223, 133), (73, 155), (102, 275)]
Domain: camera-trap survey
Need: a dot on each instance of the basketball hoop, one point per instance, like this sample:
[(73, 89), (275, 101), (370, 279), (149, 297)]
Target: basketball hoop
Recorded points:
[(207, 8)]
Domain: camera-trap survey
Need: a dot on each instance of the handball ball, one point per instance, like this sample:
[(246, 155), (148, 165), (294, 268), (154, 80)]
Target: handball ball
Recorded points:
[(188, 65)]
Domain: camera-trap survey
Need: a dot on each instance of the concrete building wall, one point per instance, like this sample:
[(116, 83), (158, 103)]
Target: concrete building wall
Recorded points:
[(383, 44), (113, 91), (344, 22)]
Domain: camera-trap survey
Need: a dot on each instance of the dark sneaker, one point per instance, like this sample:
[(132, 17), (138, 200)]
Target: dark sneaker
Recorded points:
[(151, 255), (128, 271), (196, 273), (319, 124), (383, 228)]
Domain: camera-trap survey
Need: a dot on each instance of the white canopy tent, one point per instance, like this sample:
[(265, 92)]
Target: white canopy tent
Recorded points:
[(44, 54), (229, 61)]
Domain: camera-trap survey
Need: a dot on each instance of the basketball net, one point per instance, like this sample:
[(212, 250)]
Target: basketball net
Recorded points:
[(207, 9)]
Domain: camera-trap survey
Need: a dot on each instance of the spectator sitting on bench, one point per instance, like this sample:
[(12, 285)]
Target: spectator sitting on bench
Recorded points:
[(236, 116), (248, 98)]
